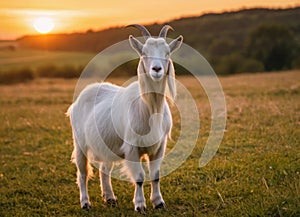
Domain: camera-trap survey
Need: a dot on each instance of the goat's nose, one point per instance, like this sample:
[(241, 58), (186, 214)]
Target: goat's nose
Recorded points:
[(156, 68)]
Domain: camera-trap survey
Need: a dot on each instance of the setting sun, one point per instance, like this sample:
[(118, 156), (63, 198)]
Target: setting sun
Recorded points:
[(43, 25)]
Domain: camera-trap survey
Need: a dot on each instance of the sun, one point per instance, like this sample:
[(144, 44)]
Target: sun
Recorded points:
[(43, 25)]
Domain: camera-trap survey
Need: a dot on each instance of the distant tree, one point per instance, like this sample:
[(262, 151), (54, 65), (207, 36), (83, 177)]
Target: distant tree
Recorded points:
[(236, 63), (221, 47), (90, 31), (228, 64), (274, 45)]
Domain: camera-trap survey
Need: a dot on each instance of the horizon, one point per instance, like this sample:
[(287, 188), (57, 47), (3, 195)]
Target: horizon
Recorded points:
[(19, 21)]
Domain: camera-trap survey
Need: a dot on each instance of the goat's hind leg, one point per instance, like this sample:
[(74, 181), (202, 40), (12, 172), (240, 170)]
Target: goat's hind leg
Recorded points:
[(82, 177), (105, 182)]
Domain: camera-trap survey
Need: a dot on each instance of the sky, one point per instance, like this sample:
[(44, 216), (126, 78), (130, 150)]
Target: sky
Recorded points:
[(17, 17)]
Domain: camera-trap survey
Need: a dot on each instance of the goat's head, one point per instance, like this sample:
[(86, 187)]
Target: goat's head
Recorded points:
[(155, 62), (155, 53)]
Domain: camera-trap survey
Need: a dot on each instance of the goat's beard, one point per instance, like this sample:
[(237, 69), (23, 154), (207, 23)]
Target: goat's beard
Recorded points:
[(154, 101), (152, 93)]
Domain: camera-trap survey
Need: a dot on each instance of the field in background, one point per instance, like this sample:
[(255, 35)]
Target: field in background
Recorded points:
[(20, 65), (20, 58), (255, 172)]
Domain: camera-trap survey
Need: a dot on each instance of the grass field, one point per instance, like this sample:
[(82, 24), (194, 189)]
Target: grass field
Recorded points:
[(21, 65), (20, 58), (256, 171)]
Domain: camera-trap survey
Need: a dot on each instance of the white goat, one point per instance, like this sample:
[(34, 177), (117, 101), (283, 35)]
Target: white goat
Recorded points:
[(111, 122)]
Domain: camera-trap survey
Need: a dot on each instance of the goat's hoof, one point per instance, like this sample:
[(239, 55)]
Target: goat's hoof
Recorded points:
[(162, 205), (141, 210), (111, 202), (86, 206)]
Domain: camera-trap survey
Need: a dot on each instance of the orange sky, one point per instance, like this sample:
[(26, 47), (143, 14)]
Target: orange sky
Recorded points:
[(17, 16)]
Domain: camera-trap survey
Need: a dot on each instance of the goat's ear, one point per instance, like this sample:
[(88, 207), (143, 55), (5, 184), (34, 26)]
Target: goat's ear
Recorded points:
[(175, 44), (136, 44), (171, 80)]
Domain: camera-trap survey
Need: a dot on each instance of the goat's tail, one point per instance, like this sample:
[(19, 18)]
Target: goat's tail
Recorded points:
[(68, 113)]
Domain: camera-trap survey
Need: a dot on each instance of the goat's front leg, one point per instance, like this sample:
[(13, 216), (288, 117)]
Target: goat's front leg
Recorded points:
[(105, 181), (137, 173), (154, 169), (156, 197)]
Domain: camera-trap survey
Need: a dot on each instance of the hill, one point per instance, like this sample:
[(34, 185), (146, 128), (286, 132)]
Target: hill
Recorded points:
[(224, 38)]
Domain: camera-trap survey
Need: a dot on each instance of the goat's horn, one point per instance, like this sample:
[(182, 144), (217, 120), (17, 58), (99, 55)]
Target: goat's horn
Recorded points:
[(143, 29), (163, 32)]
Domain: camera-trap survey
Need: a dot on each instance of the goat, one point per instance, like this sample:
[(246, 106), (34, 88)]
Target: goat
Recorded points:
[(110, 122)]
